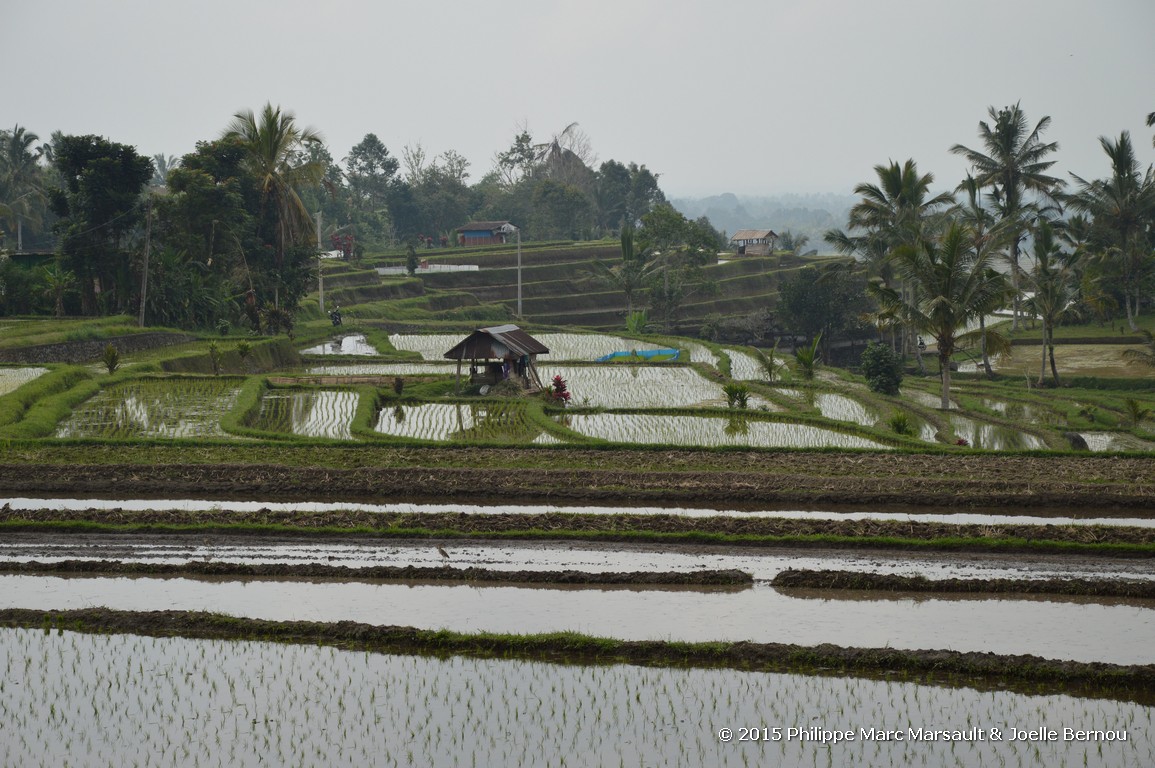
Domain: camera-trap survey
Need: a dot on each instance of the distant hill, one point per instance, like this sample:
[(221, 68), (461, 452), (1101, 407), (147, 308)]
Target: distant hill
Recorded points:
[(809, 215)]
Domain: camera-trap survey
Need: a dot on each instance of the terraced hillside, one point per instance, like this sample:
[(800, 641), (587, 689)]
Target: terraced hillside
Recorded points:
[(561, 285)]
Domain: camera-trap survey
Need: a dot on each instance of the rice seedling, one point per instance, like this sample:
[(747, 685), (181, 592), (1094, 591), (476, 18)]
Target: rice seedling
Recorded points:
[(463, 711)]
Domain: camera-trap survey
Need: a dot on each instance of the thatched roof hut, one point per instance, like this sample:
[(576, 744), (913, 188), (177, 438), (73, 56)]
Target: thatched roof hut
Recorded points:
[(506, 351)]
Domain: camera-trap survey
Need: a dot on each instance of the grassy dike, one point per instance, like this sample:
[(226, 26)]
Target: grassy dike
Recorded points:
[(972, 669)]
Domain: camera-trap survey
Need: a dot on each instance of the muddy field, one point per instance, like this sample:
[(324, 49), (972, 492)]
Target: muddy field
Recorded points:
[(575, 525), (587, 476)]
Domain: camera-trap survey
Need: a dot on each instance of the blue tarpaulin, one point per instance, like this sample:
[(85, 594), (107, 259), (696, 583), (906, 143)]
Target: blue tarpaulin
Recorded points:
[(643, 353)]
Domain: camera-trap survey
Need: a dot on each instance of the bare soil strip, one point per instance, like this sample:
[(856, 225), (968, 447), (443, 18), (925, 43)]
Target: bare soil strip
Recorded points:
[(1125, 541), (479, 475), (1133, 682), (377, 573), (827, 579)]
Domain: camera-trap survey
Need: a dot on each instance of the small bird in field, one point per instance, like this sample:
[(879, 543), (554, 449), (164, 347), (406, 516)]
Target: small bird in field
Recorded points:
[(443, 553)]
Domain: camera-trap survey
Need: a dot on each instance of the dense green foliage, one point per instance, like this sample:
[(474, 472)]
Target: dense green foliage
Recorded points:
[(882, 369)]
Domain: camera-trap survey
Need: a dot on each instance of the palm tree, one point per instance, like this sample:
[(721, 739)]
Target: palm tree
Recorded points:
[(21, 193), (163, 164), (1056, 289), (985, 232), (896, 212), (1143, 357), (1123, 211), (1013, 165), (273, 143), (632, 274), (952, 284)]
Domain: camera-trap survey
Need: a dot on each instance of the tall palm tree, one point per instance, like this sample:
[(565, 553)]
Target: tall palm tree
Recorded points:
[(898, 211), (1013, 165), (985, 232), (1055, 287), (273, 142), (1122, 208), (22, 196), (953, 284)]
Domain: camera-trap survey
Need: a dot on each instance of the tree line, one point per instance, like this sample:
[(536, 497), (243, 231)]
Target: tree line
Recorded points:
[(230, 231), (931, 268)]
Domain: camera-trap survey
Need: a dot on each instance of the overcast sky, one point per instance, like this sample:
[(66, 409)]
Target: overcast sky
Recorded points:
[(744, 96)]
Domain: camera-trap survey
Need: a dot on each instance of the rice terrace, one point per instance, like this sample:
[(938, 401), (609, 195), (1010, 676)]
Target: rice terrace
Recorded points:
[(614, 490), (386, 566)]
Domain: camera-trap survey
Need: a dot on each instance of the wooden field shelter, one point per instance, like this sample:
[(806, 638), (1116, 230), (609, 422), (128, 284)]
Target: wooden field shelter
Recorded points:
[(754, 242), (497, 354)]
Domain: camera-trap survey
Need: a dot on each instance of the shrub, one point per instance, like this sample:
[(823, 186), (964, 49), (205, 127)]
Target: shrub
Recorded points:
[(901, 424), (111, 358), (558, 393), (223, 327), (806, 359), (737, 395), (215, 356), (882, 369)]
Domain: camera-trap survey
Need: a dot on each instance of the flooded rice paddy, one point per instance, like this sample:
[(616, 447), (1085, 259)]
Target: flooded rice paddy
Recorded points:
[(636, 386), (711, 431), (506, 422), (993, 437), (150, 408), (313, 413), (562, 346), (385, 369), (354, 344), (12, 379), (1114, 631), (129, 700)]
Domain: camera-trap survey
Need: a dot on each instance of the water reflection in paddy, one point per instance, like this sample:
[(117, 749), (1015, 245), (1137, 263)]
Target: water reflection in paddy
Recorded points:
[(345, 345), (1062, 630)]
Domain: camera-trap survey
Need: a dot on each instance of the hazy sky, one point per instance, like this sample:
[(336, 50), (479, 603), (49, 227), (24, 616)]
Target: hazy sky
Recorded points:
[(744, 96)]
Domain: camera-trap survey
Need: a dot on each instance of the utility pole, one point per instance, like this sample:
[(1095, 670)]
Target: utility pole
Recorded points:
[(320, 270)]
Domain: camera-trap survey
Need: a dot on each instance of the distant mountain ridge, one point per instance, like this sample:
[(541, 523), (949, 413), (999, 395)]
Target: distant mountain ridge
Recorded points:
[(811, 215)]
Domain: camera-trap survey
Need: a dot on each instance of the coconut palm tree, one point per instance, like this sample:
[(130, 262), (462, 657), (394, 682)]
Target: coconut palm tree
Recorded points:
[(1143, 357), (952, 285), (1122, 208), (897, 211), (1055, 286), (22, 196), (985, 232), (1013, 165), (274, 142)]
